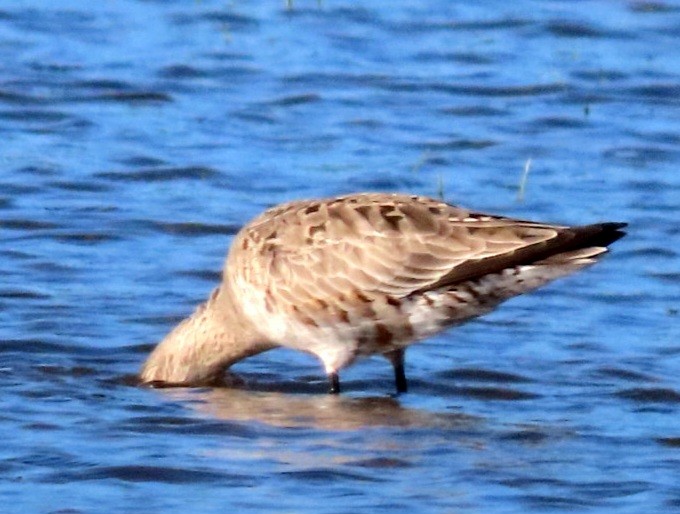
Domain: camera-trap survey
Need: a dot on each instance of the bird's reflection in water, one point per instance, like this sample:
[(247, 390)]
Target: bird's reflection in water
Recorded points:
[(311, 409)]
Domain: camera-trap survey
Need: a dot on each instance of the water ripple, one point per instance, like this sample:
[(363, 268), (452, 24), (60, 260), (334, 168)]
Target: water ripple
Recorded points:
[(132, 97), (160, 174), (329, 476), (651, 395), (482, 375), (582, 30), (192, 229), (159, 474)]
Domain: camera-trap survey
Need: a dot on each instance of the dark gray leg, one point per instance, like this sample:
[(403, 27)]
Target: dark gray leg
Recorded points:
[(334, 379), (396, 357)]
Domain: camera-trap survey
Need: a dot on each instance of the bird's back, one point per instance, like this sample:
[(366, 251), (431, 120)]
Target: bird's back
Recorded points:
[(362, 274)]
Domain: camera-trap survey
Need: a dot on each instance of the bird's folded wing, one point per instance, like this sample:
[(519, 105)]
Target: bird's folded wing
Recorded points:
[(376, 247)]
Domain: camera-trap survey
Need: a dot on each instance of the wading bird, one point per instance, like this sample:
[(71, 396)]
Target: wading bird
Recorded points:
[(348, 277)]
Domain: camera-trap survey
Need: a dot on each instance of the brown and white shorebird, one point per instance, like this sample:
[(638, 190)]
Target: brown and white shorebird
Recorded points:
[(348, 277)]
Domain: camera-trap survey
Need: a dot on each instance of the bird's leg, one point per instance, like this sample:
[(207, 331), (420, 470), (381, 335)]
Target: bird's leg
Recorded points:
[(396, 357), (334, 379)]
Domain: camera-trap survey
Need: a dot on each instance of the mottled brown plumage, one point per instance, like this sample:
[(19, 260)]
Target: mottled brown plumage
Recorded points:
[(348, 277)]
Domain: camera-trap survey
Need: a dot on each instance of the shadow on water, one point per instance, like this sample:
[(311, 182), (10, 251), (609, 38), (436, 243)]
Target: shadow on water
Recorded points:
[(296, 399), (321, 411), (302, 404)]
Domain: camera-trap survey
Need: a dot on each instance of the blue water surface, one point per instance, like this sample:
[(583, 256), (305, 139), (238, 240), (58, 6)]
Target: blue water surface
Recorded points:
[(139, 135)]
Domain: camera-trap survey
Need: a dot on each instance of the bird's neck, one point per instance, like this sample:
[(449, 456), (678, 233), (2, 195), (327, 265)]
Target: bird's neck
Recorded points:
[(202, 346)]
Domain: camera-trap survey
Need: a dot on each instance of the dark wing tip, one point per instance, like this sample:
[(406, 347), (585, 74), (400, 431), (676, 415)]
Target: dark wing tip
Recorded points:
[(612, 226), (602, 234)]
